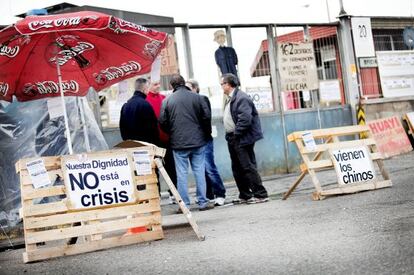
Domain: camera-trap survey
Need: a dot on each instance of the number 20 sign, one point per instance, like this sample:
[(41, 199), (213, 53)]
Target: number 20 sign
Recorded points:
[(362, 35)]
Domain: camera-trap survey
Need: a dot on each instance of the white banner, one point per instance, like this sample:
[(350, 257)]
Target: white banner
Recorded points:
[(98, 181)]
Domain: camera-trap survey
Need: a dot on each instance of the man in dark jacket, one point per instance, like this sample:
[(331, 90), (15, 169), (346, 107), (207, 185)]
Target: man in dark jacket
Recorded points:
[(187, 119), (242, 126), (138, 120), (215, 186)]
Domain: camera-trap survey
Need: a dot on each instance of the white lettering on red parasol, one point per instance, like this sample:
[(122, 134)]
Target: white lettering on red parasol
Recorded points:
[(151, 49), (67, 54), (9, 51), (123, 23), (4, 88), (50, 87), (114, 72), (60, 22)]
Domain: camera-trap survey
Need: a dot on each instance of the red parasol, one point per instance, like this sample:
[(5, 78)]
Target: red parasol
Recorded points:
[(46, 56)]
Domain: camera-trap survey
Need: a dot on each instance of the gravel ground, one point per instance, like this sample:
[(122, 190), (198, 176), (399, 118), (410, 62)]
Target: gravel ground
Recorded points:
[(364, 233)]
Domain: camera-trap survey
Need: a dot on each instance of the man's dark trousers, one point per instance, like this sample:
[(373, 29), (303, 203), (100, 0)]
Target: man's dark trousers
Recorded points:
[(244, 167)]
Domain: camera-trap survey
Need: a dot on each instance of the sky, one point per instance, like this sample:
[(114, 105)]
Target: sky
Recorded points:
[(230, 11), (245, 41)]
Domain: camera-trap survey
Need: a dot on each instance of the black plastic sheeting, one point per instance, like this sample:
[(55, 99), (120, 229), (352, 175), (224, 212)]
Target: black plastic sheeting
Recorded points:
[(26, 130)]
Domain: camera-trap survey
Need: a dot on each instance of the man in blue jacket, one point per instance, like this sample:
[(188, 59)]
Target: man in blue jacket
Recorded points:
[(187, 119), (242, 126)]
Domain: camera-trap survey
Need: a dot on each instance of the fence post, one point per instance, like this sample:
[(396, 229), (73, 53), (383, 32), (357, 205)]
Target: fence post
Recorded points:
[(187, 51), (346, 50), (276, 87)]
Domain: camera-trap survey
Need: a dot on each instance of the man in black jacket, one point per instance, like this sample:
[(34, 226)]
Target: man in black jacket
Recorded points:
[(138, 120), (242, 126), (187, 119)]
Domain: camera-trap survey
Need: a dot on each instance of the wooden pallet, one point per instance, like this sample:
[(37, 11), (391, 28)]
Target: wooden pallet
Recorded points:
[(318, 159), (52, 230)]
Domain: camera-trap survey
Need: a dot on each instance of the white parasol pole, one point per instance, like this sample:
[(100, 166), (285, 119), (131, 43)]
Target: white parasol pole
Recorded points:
[(81, 102), (62, 96)]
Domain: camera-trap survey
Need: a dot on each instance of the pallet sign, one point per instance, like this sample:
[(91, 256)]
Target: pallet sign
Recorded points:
[(53, 227), (318, 157)]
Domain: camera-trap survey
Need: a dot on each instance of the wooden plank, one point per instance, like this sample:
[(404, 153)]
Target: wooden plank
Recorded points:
[(46, 253), (90, 229), (179, 200), (324, 133), (151, 192), (51, 163), (97, 214), (341, 145), (45, 209), (304, 169), (311, 172), (357, 188), (29, 192)]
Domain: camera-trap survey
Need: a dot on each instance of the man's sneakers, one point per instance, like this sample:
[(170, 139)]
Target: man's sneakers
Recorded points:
[(250, 201), (256, 200), (219, 201)]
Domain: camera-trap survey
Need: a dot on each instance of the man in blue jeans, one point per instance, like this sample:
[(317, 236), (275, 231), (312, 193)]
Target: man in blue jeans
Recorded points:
[(215, 187), (187, 119)]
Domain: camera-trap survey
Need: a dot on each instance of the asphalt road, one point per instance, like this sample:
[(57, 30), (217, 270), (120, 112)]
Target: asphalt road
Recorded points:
[(365, 233)]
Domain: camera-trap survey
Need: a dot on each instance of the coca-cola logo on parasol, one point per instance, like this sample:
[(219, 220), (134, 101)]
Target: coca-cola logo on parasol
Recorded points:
[(50, 87), (9, 51), (123, 24), (4, 88), (71, 52), (61, 22), (116, 72), (151, 49)]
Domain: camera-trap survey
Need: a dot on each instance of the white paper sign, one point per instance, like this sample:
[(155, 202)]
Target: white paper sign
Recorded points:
[(38, 173), (156, 69), (94, 181), (114, 111), (142, 162), (329, 90), (353, 165), (362, 35), (54, 106), (262, 98), (297, 66), (309, 141)]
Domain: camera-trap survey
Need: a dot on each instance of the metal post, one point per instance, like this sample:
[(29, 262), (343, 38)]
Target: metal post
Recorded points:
[(313, 93), (187, 51), (276, 85), (346, 51), (228, 37)]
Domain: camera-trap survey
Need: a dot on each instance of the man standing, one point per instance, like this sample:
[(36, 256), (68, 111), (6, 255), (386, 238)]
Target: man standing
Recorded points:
[(187, 119), (242, 126), (215, 187), (138, 120), (155, 99)]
